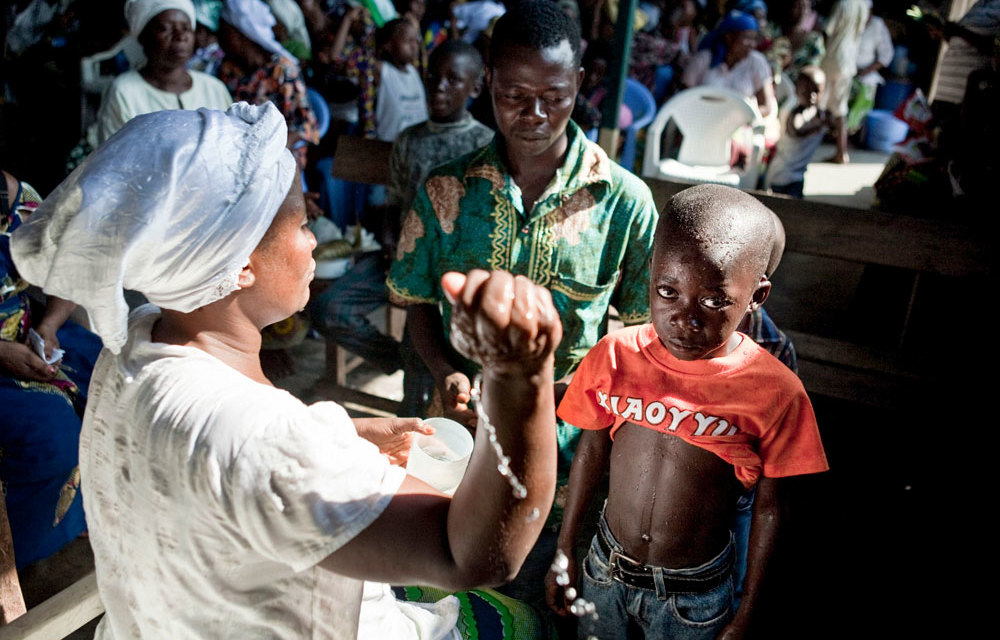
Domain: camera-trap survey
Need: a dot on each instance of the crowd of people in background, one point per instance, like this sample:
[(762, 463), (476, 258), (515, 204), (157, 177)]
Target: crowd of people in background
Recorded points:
[(418, 73)]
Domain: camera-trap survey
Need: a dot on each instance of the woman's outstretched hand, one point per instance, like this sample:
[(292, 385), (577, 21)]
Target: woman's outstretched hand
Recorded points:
[(392, 436), (506, 323)]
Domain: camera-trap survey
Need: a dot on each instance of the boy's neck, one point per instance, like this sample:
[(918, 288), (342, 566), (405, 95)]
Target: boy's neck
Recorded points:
[(399, 65), (458, 116)]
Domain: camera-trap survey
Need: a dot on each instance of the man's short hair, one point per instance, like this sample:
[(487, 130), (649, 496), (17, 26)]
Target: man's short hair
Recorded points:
[(458, 49), (538, 24)]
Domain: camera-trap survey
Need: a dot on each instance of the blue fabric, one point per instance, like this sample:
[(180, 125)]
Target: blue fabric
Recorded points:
[(751, 6), (40, 437), (715, 40), (659, 614)]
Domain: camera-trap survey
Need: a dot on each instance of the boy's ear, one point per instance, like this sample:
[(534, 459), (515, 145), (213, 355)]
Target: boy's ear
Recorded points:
[(760, 294), (488, 78)]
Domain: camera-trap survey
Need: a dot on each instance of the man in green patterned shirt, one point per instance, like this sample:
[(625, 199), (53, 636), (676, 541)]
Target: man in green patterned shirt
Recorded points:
[(540, 201)]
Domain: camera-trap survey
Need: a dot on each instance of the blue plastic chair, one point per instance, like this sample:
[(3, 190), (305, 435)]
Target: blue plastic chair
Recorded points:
[(321, 109), (643, 106)]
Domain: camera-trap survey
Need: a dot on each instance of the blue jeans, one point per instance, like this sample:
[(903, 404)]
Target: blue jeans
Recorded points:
[(660, 614)]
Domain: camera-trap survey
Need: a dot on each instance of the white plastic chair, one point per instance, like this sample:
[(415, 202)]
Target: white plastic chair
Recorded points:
[(91, 79), (707, 117)]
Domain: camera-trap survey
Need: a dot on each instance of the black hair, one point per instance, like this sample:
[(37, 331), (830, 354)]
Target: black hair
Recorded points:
[(728, 223), (387, 32), (596, 50), (458, 49), (538, 24)]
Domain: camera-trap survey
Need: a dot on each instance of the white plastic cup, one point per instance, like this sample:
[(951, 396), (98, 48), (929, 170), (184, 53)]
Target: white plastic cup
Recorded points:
[(440, 459)]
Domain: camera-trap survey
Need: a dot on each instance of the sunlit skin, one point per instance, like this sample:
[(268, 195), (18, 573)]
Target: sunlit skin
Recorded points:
[(283, 260)]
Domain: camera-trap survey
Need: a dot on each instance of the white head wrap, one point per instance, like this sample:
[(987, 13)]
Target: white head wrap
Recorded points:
[(138, 13), (171, 206), (254, 20)]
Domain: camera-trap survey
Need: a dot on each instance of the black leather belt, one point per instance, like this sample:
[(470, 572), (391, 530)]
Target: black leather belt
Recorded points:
[(636, 574)]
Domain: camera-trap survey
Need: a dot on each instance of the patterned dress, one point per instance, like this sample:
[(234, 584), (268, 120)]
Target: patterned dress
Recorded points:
[(280, 82), (40, 420)]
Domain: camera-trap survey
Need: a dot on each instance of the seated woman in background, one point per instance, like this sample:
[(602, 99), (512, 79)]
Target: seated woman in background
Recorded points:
[(729, 59), (165, 29), (257, 69), (41, 403)]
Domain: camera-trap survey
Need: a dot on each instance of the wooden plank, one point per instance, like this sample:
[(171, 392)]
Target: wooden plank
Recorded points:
[(362, 160), (849, 355), (330, 390), (869, 237), (866, 388), (60, 615), (11, 600)]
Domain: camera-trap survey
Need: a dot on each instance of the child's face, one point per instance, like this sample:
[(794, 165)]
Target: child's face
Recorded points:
[(403, 47), (806, 91), (697, 300), (451, 81)]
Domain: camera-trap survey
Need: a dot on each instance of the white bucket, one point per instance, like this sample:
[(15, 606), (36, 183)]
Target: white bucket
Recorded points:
[(440, 459)]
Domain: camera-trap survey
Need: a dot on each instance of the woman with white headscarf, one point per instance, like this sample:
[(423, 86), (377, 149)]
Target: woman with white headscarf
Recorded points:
[(165, 29), (220, 506), (258, 69)]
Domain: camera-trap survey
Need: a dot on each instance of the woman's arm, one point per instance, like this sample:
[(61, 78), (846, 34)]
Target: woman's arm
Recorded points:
[(482, 535), (57, 311)]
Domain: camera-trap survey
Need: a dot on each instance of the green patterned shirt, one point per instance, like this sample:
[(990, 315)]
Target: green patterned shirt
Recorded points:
[(590, 232)]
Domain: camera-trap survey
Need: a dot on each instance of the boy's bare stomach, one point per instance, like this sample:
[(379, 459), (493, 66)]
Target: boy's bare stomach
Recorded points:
[(670, 504)]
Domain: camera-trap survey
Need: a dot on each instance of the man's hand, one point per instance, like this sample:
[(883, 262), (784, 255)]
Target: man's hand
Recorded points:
[(20, 362), (506, 323), (456, 392), (392, 436), (555, 593)]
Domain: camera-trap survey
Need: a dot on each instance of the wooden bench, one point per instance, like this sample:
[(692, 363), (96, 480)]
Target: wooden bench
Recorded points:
[(57, 617), (824, 242)]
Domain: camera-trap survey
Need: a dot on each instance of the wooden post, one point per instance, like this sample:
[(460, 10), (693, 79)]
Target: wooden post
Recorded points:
[(11, 601), (621, 54)]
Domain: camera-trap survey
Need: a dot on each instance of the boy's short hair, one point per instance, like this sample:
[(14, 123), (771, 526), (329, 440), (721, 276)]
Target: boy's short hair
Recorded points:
[(457, 48), (538, 24), (727, 222), (814, 73), (387, 32)]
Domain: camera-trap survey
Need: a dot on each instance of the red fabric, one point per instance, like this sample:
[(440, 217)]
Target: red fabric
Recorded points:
[(746, 407)]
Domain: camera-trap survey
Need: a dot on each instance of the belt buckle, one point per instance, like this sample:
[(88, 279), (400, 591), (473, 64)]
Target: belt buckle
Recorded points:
[(617, 555)]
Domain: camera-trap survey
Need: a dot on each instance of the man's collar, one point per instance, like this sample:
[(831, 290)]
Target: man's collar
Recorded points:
[(585, 164)]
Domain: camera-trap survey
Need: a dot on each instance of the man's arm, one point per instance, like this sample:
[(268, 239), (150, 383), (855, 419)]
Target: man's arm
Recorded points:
[(589, 464), (482, 535), (763, 534), (426, 329)]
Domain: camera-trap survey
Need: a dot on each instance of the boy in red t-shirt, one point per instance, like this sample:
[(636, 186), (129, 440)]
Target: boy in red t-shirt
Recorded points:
[(690, 413)]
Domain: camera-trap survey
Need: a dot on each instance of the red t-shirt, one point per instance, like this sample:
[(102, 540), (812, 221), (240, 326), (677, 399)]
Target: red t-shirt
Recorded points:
[(745, 407)]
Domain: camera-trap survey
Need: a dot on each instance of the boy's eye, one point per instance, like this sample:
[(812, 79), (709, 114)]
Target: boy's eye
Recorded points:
[(666, 292), (715, 303)]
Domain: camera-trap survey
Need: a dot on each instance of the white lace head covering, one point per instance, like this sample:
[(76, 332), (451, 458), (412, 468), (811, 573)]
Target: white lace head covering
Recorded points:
[(138, 13), (171, 206), (254, 20)]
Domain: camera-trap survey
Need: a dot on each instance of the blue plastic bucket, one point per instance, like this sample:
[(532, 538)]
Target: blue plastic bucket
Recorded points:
[(892, 94), (883, 130)]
